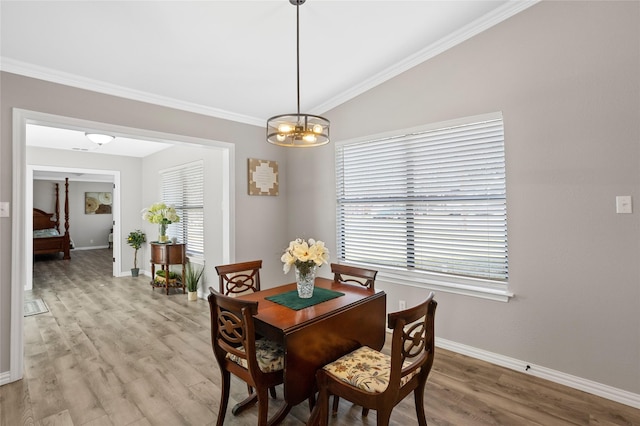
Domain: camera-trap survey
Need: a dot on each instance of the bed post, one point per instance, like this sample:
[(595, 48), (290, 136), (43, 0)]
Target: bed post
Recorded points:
[(57, 208), (67, 238)]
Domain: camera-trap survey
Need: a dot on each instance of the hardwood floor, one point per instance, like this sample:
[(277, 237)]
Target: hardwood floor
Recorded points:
[(111, 351)]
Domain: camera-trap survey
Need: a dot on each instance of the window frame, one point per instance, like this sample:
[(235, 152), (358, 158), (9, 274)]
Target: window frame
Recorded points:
[(486, 288)]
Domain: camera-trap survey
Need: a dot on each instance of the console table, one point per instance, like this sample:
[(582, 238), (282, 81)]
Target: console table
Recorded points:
[(165, 255)]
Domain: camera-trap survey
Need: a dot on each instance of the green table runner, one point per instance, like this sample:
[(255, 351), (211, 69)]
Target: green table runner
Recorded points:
[(291, 300)]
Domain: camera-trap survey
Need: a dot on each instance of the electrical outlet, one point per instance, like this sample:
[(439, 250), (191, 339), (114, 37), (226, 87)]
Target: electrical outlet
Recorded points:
[(4, 209), (402, 305)]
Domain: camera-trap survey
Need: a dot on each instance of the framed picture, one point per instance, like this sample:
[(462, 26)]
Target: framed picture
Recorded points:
[(97, 202), (263, 177)]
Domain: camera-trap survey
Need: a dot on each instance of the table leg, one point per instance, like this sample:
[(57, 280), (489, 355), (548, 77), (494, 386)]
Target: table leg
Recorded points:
[(153, 275)]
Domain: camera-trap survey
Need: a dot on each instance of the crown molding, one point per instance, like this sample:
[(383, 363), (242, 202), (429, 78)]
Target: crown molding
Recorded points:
[(504, 12), (67, 79), (492, 18)]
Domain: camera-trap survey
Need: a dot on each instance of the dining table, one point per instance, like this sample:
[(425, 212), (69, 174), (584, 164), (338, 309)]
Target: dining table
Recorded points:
[(346, 317)]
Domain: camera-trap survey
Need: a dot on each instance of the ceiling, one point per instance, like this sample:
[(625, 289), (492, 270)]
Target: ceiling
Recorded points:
[(231, 59)]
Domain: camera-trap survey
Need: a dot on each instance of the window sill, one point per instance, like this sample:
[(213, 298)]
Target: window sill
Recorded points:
[(483, 289)]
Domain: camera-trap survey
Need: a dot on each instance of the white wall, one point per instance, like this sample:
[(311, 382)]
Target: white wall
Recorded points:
[(566, 77), (130, 194), (213, 164)]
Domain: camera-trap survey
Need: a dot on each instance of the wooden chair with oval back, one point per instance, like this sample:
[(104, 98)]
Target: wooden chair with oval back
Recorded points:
[(357, 276), (238, 278), (377, 381), (258, 362), (354, 275)]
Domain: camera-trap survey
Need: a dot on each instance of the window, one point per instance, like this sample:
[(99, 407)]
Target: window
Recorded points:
[(183, 187), (428, 207)]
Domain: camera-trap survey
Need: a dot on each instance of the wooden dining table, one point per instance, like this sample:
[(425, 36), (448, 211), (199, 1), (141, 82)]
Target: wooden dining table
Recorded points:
[(319, 334)]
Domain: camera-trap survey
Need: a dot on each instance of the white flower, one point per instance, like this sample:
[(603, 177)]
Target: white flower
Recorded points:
[(160, 213), (304, 254)]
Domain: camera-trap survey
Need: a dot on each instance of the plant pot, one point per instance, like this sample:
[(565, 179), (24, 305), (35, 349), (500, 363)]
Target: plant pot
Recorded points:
[(134, 272), (192, 296)]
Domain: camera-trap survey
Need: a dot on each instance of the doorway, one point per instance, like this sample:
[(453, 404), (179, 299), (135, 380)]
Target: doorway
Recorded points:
[(75, 174), (23, 178)]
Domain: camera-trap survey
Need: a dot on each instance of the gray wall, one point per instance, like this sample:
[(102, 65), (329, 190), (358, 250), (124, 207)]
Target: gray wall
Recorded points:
[(260, 221), (566, 76)]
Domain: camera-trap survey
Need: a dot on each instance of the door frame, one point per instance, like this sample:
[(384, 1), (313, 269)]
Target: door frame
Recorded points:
[(28, 218), (21, 118)]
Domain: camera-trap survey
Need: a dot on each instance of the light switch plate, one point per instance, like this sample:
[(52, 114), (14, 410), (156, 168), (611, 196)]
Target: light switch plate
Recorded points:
[(4, 209), (623, 204)]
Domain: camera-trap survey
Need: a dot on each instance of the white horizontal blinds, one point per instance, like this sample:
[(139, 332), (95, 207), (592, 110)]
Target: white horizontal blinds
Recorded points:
[(183, 187), (429, 201)]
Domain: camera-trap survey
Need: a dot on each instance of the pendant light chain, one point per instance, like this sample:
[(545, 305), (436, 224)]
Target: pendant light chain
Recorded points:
[(298, 51)]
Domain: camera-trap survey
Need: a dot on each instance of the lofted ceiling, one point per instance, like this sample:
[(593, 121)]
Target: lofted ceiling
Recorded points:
[(234, 59)]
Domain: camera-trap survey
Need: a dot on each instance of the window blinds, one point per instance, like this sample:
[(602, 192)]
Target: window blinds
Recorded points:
[(183, 187), (430, 201)]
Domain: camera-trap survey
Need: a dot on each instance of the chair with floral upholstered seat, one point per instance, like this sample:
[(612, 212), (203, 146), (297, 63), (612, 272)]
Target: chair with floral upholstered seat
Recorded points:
[(358, 276), (258, 362), (378, 381), (238, 278)]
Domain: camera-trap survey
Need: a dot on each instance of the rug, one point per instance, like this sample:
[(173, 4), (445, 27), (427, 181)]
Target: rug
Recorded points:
[(34, 307)]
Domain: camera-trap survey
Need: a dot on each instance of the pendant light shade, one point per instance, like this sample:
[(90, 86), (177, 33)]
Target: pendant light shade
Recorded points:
[(99, 138), (295, 129)]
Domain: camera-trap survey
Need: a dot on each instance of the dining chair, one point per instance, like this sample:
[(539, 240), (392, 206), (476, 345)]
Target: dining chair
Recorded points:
[(358, 276), (354, 275), (258, 362), (378, 381), (237, 278)]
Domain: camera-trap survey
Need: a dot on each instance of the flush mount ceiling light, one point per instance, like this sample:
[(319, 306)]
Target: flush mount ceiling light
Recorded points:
[(99, 139), (298, 130)]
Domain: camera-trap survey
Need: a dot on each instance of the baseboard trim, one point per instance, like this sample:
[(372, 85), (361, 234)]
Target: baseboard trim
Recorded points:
[(585, 385), (91, 247), (5, 377)]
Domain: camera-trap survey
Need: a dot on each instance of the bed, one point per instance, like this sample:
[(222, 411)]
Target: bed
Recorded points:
[(46, 231)]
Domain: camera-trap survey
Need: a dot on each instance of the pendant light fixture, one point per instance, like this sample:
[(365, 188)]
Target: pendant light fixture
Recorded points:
[(298, 130)]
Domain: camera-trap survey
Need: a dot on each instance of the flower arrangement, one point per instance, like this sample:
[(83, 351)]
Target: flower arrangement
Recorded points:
[(304, 255), (161, 214), (135, 240)]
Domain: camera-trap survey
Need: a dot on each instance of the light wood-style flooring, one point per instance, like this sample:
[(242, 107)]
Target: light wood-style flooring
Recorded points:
[(112, 351)]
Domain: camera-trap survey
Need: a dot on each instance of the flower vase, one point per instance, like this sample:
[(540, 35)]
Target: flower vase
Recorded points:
[(162, 238), (305, 278)]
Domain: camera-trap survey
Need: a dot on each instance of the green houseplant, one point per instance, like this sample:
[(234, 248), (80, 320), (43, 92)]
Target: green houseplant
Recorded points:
[(192, 280), (135, 240)]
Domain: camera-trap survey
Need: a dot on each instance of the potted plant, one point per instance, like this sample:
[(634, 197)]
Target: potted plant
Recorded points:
[(192, 280), (135, 240)]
